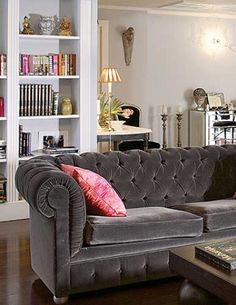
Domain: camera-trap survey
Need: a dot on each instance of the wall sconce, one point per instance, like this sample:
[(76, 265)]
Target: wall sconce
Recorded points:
[(213, 39), (128, 42)]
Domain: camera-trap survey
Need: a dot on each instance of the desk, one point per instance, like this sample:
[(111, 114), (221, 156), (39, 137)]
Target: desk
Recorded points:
[(126, 133)]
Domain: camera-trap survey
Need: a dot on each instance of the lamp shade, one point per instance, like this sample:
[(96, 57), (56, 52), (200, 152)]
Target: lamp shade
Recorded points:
[(110, 75)]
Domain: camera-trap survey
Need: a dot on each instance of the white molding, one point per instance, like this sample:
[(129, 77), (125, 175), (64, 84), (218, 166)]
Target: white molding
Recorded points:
[(187, 9), (124, 8), (14, 210), (12, 95)]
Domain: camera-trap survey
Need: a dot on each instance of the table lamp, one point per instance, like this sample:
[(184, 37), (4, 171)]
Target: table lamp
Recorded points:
[(109, 76)]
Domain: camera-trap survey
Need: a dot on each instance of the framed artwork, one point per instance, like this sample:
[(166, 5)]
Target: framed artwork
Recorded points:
[(56, 138), (216, 100)]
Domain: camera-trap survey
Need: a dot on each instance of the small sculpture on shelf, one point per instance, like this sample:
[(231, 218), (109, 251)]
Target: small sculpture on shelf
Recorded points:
[(26, 26), (66, 106), (65, 28), (200, 97)]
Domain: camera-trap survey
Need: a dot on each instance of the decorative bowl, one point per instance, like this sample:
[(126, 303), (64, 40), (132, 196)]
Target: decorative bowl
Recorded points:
[(117, 125)]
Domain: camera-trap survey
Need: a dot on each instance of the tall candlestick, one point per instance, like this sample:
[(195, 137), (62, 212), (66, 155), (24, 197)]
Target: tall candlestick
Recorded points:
[(179, 117), (164, 120)]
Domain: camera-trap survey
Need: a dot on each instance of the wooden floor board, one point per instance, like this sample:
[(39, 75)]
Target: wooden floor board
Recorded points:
[(20, 286)]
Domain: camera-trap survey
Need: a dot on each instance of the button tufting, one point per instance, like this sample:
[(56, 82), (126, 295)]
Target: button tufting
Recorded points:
[(94, 275), (111, 181), (182, 160), (154, 178), (120, 270), (132, 180), (166, 197), (163, 161), (175, 177), (186, 195), (98, 164), (145, 198)]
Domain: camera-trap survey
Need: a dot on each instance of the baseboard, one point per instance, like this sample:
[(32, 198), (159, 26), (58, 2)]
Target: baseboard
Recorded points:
[(14, 211)]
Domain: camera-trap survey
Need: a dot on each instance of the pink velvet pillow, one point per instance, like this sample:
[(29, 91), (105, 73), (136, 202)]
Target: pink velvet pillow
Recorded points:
[(101, 198)]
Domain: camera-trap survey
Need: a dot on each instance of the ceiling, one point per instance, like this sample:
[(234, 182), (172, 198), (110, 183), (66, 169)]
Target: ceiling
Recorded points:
[(154, 4)]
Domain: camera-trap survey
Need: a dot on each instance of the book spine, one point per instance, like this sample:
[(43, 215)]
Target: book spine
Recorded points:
[(25, 64), (55, 105), (42, 99), (73, 64), (32, 99), (20, 140), (50, 100), (55, 64), (36, 105), (1, 107), (29, 100), (60, 64)]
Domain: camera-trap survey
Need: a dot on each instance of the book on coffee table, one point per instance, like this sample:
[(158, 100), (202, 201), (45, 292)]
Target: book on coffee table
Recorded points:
[(221, 253)]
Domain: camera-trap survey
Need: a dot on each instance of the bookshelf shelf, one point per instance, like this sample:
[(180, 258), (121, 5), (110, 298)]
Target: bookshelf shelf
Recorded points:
[(3, 160), (3, 77), (3, 118), (33, 77), (48, 37), (49, 117)]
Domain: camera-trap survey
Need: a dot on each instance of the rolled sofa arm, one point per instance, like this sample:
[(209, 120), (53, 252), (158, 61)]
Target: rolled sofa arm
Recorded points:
[(47, 189)]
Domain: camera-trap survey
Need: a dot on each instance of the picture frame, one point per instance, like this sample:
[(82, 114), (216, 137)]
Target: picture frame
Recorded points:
[(54, 138), (216, 100)]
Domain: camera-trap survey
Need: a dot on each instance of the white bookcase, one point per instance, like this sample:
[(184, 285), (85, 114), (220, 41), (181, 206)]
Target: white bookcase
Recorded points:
[(80, 88)]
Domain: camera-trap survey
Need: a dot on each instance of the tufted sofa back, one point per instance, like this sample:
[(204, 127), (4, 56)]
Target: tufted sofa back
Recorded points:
[(164, 177)]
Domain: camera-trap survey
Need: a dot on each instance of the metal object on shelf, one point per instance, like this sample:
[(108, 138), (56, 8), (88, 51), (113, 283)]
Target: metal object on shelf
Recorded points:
[(179, 117), (164, 121)]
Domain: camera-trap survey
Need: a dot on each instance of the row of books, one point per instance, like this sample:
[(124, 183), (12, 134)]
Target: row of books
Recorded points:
[(3, 64), (3, 149), (24, 142), (37, 100), (51, 64), (3, 189)]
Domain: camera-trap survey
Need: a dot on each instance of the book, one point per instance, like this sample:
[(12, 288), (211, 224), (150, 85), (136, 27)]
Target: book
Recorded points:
[(60, 150), (1, 106), (222, 253)]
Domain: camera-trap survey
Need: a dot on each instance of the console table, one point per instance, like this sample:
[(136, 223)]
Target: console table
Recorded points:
[(126, 133)]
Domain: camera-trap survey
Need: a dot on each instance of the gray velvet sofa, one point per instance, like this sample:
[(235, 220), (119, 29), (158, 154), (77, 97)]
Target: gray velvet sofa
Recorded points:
[(173, 197)]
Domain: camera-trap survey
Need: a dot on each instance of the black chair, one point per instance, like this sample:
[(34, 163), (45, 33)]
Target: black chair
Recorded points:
[(133, 119)]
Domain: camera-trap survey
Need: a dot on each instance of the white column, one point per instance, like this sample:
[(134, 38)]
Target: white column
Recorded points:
[(88, 73), (12, 95)]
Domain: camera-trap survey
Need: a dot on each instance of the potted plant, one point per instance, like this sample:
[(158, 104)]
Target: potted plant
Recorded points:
[(116, 109)]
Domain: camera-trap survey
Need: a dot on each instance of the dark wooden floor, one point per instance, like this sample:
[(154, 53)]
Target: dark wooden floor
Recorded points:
[(20, 286)]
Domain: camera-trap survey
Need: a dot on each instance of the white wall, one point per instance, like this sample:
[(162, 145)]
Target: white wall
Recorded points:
[(167, 65)]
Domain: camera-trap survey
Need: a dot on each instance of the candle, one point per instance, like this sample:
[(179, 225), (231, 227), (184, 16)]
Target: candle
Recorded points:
[(164, 109), (179, 109), (98, 107)]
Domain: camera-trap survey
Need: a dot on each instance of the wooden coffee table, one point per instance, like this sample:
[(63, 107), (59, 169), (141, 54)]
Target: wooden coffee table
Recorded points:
[(204, 284)]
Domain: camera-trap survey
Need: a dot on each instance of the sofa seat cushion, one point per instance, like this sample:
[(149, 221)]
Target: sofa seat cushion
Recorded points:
[(217, 214), (142, 224)]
